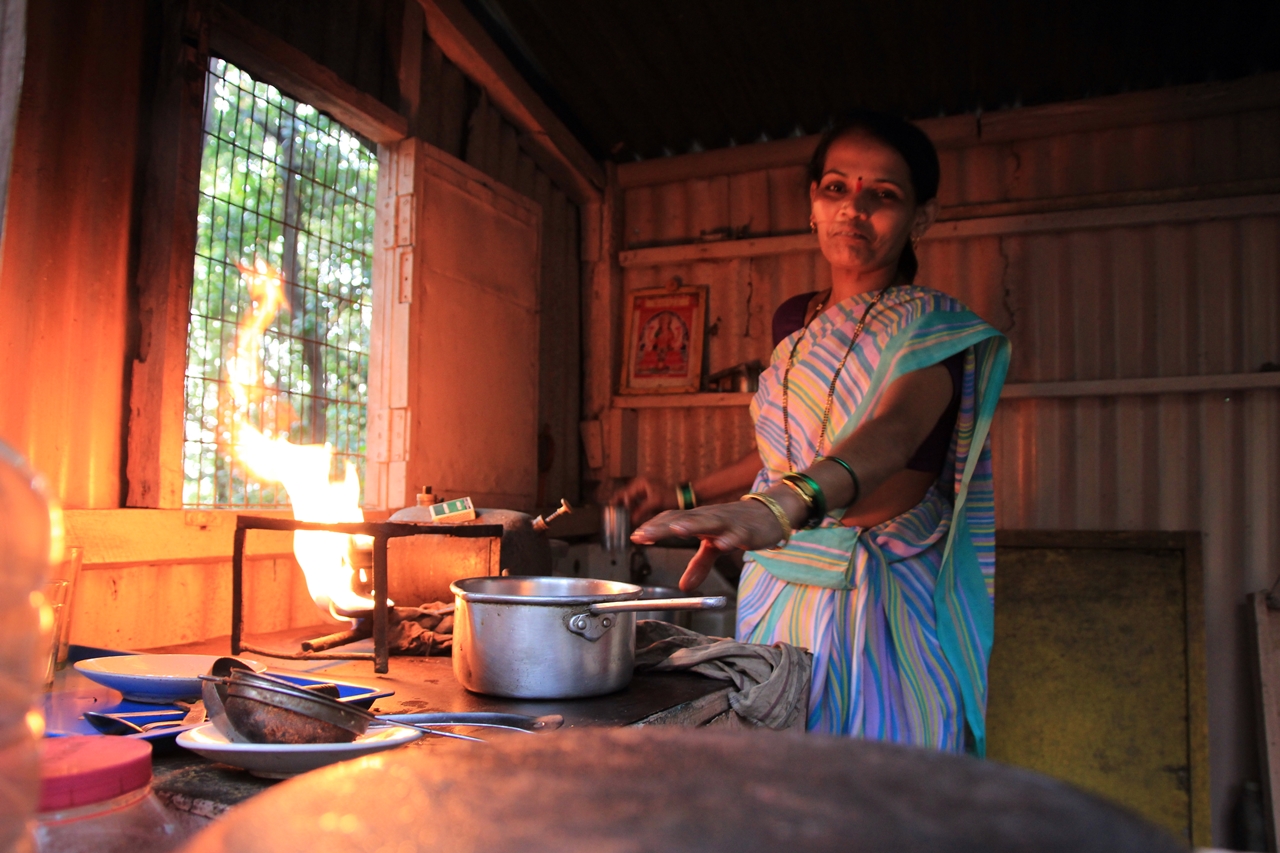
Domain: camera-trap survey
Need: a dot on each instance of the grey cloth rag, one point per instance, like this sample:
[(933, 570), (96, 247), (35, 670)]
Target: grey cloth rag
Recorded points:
[(771, 683), (422, 631)]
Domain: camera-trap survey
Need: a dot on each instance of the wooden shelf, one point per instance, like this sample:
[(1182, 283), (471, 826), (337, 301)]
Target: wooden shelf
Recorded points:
[(682, 401), (1012, 391), (1106, 210)]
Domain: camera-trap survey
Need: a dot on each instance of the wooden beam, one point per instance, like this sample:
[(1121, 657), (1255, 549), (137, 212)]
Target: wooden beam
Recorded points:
[(1264, 637), (1145, 540), (686, 253), (752, 157), (409, 65), (1128, 198), (166, 221), (1110, 217), (263, 55), (1106, 210), (1175, 103), (1143, 386), (549, 142), (13, 52), (1197, 692), (602, 316), (135, 537), (950, 132), (1013, 391)]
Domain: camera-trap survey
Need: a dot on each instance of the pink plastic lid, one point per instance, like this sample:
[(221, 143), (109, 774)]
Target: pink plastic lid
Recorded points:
[(78, 771)]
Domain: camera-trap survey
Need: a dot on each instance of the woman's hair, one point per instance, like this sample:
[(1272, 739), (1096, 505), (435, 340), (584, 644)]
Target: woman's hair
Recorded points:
[(900, 135)]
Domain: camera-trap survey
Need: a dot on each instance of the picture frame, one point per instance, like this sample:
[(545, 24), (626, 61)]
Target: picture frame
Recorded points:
[(665, 335)]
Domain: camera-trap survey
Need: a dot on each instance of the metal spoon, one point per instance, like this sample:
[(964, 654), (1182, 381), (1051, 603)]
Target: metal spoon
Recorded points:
[(509, 722), (109, 725)]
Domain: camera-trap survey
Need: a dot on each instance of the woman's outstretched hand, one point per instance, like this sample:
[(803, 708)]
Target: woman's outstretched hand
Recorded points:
[(748, 525), (645, 498)]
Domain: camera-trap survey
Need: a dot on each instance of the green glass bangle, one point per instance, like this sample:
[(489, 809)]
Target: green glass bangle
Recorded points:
[(857, 486), (811, 493), (685, 497)]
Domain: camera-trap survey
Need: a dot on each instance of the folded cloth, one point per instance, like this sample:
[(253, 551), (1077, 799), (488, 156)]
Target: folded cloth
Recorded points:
[(422, 631), (771, 683)]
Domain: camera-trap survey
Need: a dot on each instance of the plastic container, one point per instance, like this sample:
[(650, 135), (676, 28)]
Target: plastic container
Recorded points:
[(95, 797), (30, 539)]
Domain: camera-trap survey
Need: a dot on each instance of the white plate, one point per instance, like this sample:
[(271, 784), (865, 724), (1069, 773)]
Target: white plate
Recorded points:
[(156, 679), (282, 760)]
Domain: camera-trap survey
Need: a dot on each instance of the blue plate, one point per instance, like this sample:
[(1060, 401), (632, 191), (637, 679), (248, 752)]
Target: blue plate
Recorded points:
[(355, 694), (62, 710), (155, 679)]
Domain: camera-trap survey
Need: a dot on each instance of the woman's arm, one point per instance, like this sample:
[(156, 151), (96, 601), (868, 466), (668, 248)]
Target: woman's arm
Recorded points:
[(730, 482), (644, 497), (878, 451)]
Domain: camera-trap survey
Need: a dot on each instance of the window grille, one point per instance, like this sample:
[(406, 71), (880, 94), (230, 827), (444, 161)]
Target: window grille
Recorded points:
[(280, 183)]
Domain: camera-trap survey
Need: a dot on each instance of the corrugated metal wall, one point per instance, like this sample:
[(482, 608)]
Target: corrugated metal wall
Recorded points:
[(1169, 294), (492, 146)]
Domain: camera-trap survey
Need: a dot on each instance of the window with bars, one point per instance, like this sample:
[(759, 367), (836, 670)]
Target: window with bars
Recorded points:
[(283, 185)]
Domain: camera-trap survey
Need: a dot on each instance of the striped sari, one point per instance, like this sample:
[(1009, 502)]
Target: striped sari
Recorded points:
[(898, 616)]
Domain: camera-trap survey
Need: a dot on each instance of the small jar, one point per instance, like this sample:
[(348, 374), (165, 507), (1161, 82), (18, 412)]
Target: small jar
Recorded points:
[(95, 797)]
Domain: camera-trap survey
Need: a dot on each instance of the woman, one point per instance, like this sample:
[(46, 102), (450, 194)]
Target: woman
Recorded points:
[(870, 523)]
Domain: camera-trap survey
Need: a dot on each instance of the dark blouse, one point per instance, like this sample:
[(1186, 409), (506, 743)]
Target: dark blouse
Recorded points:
[(932, 454)]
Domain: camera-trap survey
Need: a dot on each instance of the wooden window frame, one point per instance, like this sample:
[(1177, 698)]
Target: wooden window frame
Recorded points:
[(170, 196)]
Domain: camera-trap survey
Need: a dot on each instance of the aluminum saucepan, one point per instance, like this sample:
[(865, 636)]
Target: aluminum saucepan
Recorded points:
[(548, 637)]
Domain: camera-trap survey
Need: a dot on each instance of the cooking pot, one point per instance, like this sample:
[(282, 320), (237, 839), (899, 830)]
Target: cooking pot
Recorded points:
[(548, 637)]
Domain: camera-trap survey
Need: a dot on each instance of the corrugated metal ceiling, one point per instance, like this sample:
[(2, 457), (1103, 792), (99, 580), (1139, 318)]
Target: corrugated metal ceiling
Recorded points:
[(642, 78)]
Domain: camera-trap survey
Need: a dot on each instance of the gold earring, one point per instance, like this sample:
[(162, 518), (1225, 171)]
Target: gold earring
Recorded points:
[(813, 226)]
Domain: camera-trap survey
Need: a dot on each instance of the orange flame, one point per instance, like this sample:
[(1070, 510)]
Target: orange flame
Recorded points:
[(303, 469)]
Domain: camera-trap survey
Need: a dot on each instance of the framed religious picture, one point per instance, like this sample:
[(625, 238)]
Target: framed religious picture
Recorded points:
[(665, 334)]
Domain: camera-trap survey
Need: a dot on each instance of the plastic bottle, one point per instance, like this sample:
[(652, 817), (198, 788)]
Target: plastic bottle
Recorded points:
[(95, 797), (30, 541)]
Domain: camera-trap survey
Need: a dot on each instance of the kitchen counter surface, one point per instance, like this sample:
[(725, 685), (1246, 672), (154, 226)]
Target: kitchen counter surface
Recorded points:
[(203, 790)]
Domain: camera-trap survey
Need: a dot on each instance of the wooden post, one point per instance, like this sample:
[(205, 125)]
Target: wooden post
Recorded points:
[(166, 219), (380, 651), (409, 67), (13, 51), (237, 589), (1264, 632), (601, 241)]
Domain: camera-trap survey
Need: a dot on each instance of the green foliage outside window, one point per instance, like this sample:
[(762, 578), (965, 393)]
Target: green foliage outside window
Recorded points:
[(282, 183)]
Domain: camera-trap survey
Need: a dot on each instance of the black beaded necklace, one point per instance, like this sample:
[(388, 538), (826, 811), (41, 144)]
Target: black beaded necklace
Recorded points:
[(831, 390)]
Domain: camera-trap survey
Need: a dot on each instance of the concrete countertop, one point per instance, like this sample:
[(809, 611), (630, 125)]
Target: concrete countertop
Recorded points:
[(203, 790)]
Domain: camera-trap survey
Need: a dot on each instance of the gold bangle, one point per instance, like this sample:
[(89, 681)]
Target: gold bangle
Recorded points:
[(807, 500), (781, 516)]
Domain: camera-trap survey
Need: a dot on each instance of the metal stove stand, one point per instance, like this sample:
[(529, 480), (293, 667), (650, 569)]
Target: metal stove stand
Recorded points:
[(381, 531)]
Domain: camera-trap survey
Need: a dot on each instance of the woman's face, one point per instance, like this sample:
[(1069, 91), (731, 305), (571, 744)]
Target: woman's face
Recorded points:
[(864, 207)]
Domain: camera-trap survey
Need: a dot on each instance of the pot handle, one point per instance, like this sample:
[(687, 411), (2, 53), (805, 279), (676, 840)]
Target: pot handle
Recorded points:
[(708, 602)]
